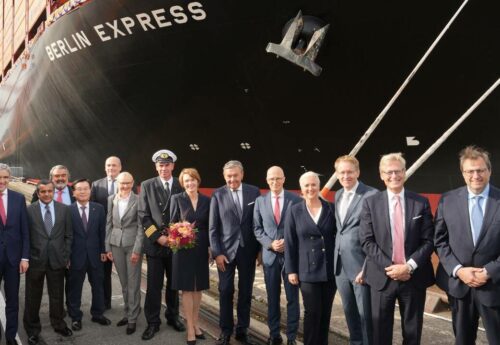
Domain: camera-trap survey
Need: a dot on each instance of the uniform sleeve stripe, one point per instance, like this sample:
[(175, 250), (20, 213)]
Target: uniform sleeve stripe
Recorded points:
[(150, 231)]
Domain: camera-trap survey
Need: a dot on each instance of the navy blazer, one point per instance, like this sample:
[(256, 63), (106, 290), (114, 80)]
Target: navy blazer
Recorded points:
[(309, 246), (15, 233), (347, 243), (454, 245), (264, 226), (225, 228), (376, 238), (88, 245)]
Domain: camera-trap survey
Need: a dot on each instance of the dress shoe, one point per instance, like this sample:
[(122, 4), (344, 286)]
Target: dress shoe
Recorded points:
[(176, 324), (76, 325), (65, 332), (33, 340), (150, 332), (223, 340), (275, 341), (291, 342), (102, 320), (200, 336), (122, 322), (244, 339), (12, 342), (130, 328)]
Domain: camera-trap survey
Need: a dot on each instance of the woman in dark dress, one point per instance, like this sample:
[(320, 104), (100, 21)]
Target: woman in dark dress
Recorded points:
[(190, 266)]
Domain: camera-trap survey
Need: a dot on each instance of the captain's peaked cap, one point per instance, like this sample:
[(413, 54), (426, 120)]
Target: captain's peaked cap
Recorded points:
[(164, 156)]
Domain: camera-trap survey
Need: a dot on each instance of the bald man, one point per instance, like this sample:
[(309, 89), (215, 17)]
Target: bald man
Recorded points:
[(269, 219)]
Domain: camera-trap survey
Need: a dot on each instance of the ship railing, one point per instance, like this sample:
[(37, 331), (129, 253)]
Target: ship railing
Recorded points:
[(63, 10)]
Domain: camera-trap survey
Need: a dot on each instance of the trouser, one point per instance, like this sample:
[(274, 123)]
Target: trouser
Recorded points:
[(106, 283), (10, 275)]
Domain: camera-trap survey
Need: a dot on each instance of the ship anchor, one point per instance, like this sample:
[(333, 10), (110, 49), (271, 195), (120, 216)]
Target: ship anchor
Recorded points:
[(298, 55)]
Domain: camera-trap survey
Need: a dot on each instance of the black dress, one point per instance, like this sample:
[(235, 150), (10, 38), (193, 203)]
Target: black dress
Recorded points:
[(190, 266)]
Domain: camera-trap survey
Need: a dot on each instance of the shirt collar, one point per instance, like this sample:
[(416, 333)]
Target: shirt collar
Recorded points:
[(484, 193), (391, 194), (170, 181), (81, 205), (280, 195), (354, 189)]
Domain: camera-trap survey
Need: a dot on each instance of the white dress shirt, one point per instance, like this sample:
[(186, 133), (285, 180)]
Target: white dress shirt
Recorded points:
[(122, 205), (281, 200)]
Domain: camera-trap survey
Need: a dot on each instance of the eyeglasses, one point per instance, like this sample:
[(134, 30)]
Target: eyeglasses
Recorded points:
[(393, 172), (472, 171)]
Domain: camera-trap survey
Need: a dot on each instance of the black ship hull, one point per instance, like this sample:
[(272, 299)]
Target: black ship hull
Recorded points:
[(195, 78)]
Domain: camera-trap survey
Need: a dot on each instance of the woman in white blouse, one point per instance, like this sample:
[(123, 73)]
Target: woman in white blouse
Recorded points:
[(124, 237)]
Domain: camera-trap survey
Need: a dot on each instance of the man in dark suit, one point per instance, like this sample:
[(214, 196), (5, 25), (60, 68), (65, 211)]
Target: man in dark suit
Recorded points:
[(467, 242), (234, 246), (59, 175), (154, 214), (50, 238), (349, 257), (269, 219), (87, 255), (14, 249), (101, 190), (397, 237)]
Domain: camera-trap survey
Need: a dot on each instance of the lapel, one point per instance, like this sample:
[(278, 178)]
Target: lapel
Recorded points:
[(463, 213), (38, 218), (10, 209), (489, 213), (91, 218), (409, 204), (325, 212), (131, 203), (356, 198), (230, 201), (269, 207), (76, 215), (385, 230), (286, 200), (159, 190), (244, 206), (338, 197)]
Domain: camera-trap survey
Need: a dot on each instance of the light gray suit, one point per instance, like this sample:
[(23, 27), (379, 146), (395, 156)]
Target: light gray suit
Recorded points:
[(349, 259), (123, 237)]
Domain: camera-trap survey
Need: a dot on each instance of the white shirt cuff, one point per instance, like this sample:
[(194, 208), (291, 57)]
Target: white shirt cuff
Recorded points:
[(412, 263), (457, 267)]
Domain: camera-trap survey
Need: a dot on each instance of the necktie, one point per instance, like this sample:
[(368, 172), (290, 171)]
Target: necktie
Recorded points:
[(237, 202), (477, 217), (47, 220), (344, 206), (167, 189), (59, 196), (112, 188), (277, 215), (398, 238), (84, 218), (2, 210)]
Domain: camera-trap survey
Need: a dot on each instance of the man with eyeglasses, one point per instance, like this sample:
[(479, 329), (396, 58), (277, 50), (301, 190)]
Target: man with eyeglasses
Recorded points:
[(349, 258), (467, 242), (268, 225), (397, 237)]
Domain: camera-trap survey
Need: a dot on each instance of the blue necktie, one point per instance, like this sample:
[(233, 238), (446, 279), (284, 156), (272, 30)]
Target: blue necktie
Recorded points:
[(477, 217)]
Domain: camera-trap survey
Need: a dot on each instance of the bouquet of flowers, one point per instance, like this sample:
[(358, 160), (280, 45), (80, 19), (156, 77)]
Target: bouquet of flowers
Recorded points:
[(181, 235)]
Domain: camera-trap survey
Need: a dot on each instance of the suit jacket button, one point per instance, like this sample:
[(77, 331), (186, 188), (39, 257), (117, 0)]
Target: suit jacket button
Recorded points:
[(323, 249), (312, 249), (312, 237)]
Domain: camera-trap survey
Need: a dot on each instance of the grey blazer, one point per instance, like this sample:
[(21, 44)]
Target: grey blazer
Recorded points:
[(50, 251), (347, 243), (127, 231), (264, 226)]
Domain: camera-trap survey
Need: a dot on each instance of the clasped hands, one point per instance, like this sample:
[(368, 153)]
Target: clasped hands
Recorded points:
[(473, 276), (398, 272), (278, 245)]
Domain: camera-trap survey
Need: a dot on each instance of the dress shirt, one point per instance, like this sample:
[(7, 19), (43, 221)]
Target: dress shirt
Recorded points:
[(115, 187), (170, 182), (87, 213), (122, 205), (353, 191), (5, 200), (471, 201), (315, 218), (392, 203), (66, 198), (281, 200), (239, 192), (52, 213)]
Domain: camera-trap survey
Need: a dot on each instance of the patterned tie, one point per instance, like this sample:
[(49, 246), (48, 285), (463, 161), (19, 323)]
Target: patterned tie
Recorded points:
[(398, 239), (47, 220), (84, 218), (277, 215), (167, 189), (59, 196), (237, 202), (112, 188), (344, 206), (477, 217), (2, 210)]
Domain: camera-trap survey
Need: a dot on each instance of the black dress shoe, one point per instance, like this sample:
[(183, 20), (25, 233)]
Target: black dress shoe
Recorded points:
[(65, 332), (76, 325), (150, 332), (275, 341), (122, 322), (176, 324), (223, 340), (12, 342), (200, 336), (33, 340), (291, 342), (102, 320), (130, 328), (244, 339)]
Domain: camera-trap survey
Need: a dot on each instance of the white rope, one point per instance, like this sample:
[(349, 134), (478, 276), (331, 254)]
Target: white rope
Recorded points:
[(384, 111), (450, 131)]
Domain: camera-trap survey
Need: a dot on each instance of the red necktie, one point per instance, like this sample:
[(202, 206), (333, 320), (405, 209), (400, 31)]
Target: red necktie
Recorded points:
[(398, 238), (277, 210), (2, 210), (59, 196)]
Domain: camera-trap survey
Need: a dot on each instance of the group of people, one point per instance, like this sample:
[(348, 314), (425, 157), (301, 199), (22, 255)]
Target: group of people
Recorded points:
[(374, 247)]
